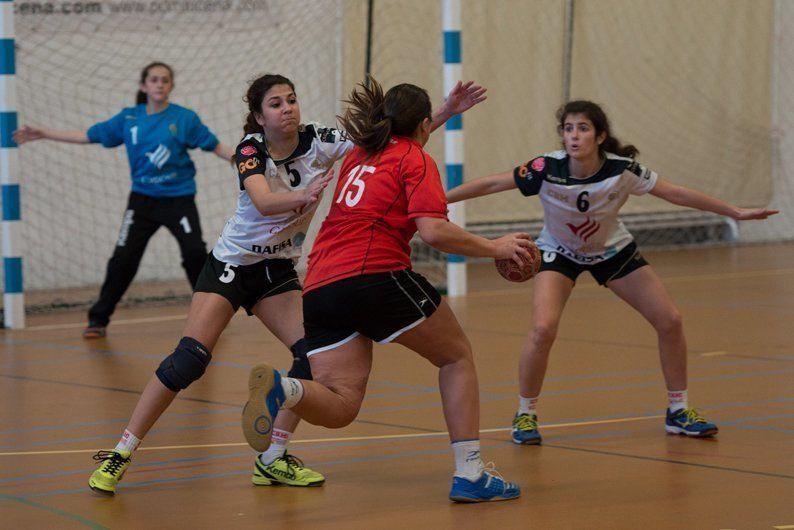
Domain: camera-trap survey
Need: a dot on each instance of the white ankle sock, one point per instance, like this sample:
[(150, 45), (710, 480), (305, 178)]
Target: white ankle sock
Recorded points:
[(278, 446), (468, 463), (527, 405), (293, 392), (677, 400), (128, 442)]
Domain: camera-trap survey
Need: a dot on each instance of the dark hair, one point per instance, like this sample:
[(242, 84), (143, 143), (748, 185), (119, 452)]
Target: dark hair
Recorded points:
[(254, 96), (142, 97), (372, 117), (598, 117)]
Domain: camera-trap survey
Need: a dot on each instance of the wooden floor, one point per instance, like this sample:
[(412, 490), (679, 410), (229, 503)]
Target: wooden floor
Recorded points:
[(605, 463)]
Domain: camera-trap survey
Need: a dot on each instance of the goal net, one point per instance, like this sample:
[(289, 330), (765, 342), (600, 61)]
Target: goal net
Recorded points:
[(702, 89)]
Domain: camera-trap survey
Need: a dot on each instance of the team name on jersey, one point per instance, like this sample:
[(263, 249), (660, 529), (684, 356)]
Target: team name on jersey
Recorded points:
[(272, 249), (585, 259)]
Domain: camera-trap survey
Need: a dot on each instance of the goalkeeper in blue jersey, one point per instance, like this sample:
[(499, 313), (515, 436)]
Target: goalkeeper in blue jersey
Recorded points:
[(157, 135)]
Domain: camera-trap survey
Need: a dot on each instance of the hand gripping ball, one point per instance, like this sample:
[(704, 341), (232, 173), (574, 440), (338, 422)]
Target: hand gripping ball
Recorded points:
[(513, 272)]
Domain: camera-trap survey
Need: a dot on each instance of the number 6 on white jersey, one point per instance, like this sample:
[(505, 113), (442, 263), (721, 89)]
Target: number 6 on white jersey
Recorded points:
[(354, 178)]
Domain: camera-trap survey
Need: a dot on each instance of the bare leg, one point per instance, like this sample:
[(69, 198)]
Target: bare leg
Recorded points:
[(283, 316), (643, 290), (208, 316), (334, 398), (441, 341), (551, 292)]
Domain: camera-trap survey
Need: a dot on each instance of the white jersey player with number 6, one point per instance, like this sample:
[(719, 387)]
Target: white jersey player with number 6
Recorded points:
[(582, 189)]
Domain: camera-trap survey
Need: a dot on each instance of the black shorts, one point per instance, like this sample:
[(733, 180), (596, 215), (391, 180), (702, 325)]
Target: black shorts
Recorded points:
[(621, 264), (379, 306), (245, 285)]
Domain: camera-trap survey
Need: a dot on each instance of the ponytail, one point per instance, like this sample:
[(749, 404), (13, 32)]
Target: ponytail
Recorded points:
[(364, 120), (374, 117)]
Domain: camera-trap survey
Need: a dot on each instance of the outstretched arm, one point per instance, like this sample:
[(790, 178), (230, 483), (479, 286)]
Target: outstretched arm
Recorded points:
[(28, 133), (482, 186), (224, 151), (460, 99), (690, 198)]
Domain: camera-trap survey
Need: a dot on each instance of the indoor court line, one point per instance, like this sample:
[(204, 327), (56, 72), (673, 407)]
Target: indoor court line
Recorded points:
[(73, 325), (491, 292), (342, 439)]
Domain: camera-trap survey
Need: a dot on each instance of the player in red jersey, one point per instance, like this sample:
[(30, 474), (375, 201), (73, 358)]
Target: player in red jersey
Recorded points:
[(360, 288)]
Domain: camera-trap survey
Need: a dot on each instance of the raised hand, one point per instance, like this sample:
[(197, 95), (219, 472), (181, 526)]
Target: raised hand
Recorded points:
[(514, 246), (313, 192), (464, 96)]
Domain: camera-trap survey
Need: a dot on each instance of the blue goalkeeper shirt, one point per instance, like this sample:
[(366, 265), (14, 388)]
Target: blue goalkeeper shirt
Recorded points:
[(157, 147)]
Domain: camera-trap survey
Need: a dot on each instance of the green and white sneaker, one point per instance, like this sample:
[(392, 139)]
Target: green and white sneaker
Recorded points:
[(108, 475), (287, 470)]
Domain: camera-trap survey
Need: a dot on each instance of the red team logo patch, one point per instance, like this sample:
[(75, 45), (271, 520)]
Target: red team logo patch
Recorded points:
[(538, 164), (248, 150)]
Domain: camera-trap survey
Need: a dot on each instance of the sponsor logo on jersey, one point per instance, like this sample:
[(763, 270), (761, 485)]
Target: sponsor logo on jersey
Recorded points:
[(172, 128), (558, 180), (557, 195), (319, 164), (585, 230), (248, 150), (549, 256), (272, 249), (577, 257), (251, 163), (611, 196), (636, 168), (326, 135), (159, 156), (539, 164)]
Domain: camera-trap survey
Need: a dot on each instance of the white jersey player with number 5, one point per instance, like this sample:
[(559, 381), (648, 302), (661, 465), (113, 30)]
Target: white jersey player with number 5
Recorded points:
[(249, 236)]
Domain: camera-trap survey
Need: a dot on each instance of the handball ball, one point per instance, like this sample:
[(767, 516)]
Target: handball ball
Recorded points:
[(510, 270)]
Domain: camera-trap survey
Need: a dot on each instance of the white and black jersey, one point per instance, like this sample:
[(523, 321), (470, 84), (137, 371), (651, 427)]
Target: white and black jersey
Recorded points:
[(581, 215), (250, 237)]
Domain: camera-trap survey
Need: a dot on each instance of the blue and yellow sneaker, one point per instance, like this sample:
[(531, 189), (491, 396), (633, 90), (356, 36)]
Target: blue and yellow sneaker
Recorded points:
[(489, 487), (108, 475), (690, 423), (525, 429), (265, 397), (286, 469)]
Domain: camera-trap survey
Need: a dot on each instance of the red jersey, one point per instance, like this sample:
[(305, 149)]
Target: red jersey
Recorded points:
[(371, 221)]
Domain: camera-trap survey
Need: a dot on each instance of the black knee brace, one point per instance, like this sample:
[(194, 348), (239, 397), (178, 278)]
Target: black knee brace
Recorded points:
[(185, 365), (301, 369)]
